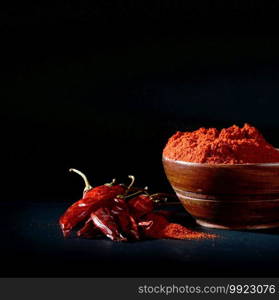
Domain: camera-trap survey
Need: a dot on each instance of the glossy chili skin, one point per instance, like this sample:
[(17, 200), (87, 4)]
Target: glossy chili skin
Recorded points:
[(89, 230), (153, 225), (126, 221), (141, 205), (100, 196), (104, 220)]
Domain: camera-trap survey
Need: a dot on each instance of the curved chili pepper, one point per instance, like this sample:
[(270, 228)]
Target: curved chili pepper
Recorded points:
[(141, 205), (153, 225), (104, 220), (88, 189), (89, 230), (93, 199), (126, 222), (100, 196)]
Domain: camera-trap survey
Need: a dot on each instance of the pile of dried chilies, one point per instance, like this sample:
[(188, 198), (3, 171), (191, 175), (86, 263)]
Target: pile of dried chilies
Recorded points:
[(121, 213)]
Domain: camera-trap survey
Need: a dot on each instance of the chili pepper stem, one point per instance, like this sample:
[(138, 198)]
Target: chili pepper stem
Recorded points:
[(111, 183), (132, 181), (87, 184), (129, 186), (132, 195)]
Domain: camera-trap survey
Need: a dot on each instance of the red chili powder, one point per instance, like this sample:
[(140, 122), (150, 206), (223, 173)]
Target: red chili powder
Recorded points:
[(177, 231), (233, 145), (158, 227)]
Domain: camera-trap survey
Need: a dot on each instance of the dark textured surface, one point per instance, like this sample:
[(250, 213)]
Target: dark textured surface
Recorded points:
[(33, 244)]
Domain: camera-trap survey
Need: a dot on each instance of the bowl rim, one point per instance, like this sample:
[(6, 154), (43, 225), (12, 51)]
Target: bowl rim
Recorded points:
[(189, 163)]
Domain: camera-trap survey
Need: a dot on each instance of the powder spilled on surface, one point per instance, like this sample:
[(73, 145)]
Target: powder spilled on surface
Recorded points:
[(177, 231), (158, 227), (233, 145)]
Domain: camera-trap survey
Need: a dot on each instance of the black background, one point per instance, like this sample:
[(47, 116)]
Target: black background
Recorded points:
[(101, 86)]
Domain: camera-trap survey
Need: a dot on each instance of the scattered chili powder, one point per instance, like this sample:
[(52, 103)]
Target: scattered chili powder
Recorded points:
[(156, 226), (233, 145), (177, 231)]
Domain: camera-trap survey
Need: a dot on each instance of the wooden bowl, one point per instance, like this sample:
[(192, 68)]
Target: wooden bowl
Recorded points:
[(242, 196)]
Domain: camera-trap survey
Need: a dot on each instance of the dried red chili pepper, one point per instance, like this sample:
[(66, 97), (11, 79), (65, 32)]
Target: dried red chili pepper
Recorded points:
[(153, 224), (88, 189), (108, 211), (144, 203), (126, 222), (94, 198), (89, 230), (141, 205), (104, 220)]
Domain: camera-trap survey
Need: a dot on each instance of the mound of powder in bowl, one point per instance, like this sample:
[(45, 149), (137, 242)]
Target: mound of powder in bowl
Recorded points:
[(233, 145)]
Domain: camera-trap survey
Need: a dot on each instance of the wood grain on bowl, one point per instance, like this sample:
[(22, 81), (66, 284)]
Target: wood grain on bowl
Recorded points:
[(227, 196)]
